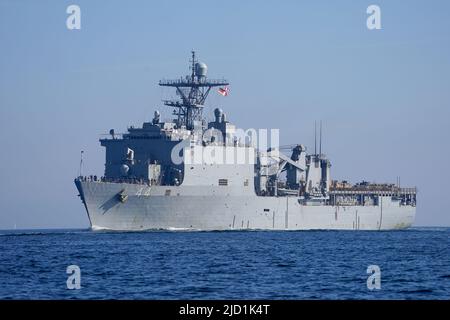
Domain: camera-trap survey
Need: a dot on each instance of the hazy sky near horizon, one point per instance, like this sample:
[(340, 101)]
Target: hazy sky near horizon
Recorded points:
[(383, 95)]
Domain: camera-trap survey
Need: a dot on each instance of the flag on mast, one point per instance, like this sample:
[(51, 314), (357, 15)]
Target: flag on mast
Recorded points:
[(223, 91)]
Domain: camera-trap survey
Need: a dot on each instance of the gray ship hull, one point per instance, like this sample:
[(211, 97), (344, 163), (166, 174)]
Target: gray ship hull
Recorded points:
[(216, 208)]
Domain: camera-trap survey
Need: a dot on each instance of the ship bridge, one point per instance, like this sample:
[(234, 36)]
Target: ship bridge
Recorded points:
[(147, 153)]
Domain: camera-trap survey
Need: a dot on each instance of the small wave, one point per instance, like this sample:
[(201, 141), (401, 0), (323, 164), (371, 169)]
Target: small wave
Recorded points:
[(173, 229), (417, 291), (440, 229), (39, 232), (181, 229), (97, 228), (285, 265)]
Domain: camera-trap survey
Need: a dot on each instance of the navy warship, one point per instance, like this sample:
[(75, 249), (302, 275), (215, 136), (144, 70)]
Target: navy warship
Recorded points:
[(191, 174)]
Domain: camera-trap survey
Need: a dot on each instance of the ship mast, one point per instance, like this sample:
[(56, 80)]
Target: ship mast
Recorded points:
[(193, 91)]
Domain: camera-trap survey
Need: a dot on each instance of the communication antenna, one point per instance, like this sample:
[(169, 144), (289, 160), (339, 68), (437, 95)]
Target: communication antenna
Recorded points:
[(193, 65), (320, 139), (81, 161), (315, 137)]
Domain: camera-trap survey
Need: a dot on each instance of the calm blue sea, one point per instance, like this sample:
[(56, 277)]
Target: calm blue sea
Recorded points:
[(414, 264)]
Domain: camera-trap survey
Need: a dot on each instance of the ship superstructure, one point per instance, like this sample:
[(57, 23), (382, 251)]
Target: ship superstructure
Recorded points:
[(192, 174)]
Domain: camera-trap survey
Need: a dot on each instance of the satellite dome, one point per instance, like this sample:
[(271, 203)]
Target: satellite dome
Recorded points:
[(200, 69), (156, 117), (124, 169), (218, 114)]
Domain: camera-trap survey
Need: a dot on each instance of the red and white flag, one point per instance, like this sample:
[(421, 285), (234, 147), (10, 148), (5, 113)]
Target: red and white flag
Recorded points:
[(223, 91)]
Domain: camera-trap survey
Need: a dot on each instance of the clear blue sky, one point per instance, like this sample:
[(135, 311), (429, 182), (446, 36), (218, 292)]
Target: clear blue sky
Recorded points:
[(383, 96)]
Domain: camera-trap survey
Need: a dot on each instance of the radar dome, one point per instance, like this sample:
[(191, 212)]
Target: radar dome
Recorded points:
[(218, 114), (156, 117), (200, 69), (124, 169)]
